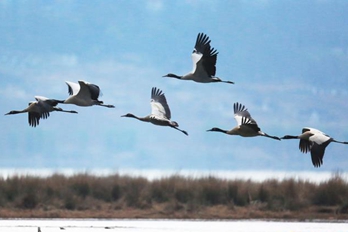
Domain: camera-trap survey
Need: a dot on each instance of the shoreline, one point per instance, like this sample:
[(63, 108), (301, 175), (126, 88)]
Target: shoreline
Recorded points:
[(178, 219), (313, 214)]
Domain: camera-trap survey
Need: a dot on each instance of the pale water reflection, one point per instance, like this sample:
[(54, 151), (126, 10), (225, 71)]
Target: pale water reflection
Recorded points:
[(168, 226)]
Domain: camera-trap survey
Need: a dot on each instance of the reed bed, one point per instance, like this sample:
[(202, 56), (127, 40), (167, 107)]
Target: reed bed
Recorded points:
[(173, 196)]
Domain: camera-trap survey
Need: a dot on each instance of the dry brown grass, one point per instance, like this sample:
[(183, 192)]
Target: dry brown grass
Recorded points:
[(115, 196)]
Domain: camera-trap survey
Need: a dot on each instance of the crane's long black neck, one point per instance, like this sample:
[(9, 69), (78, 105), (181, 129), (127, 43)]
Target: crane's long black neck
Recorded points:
[(129, 115), (289, 137), (173, 76), (218, 130), (16, 112), (272, 137), (59, 101)]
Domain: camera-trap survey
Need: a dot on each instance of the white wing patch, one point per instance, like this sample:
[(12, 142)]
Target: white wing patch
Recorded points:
[(75, 87), (313, 130), (196, 57), (238, 119), (158, 110), (319, 137), (40, 98)]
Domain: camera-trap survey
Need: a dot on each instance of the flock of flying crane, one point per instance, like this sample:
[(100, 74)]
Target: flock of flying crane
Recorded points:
[(204, 61)]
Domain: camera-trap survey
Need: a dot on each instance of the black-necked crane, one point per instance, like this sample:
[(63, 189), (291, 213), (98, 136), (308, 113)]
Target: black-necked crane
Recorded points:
[(40, 108), (314, 141), (204, 61), (160, 112), (246, 125), (84, 94)]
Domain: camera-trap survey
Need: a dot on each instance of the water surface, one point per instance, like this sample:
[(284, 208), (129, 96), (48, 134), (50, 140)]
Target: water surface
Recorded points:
[(130, 225)]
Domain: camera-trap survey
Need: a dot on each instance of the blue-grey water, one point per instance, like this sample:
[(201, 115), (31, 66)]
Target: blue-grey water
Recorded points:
[(130, 225)]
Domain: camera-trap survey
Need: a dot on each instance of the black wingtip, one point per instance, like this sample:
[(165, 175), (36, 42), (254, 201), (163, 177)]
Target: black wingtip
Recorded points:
[(238, 107), (156, 92)]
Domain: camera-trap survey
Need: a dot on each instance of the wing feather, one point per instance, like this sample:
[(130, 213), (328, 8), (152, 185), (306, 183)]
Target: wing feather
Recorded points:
[(313, 130), (305, 145), (209, 60), (249, 123), (203, 56), (34, 114), (94, 90), (201, 42), (73, 88), (47, 102), (240, 112), (159, 104), (84, 91), (317, 154), (33, 119)]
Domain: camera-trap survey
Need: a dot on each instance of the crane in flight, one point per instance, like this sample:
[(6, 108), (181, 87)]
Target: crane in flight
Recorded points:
[(315, 142), (84, 94), (204, 61), (40, 109), (246, 125), (160, 112)]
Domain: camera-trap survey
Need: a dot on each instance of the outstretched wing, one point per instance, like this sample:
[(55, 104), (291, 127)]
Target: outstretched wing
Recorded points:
[(317, 154), (33, 119), (94, 90), (305, 145), (203, 56), (248, 122), (240, 112), (44, 108), (209, 60), (316, 144), (73, 88), (41, 98), (313, 130), (84, 91), (51, 102), (201, 42), (159, 104), (38, 110)]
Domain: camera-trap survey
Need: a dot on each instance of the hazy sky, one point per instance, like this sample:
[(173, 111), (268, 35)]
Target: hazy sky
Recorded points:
[(288, 59)]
